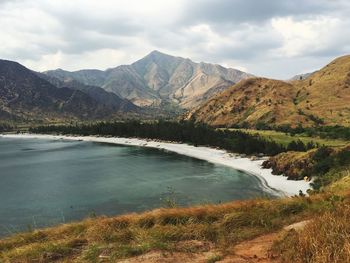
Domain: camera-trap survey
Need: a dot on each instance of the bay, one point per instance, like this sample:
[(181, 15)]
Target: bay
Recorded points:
[(46, 182)]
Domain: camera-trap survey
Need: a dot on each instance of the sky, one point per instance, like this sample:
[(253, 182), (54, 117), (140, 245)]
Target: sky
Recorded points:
[(270, 38)]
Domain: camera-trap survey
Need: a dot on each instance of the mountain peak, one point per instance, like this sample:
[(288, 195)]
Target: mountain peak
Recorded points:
[(162, 60), (159, 77), (157, 53)]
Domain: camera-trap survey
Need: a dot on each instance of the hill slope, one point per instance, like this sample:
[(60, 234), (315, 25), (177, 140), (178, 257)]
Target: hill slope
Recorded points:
[(108, 99), (159, 78), (322, 98), (24, 95), (326, 93)]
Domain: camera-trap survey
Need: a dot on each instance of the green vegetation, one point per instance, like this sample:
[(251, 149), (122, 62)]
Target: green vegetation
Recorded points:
[(285, 138), (331, 132), (184, 131), (324, 165), (328, 166)]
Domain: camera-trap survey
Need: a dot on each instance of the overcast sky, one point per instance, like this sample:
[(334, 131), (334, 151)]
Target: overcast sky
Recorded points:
[(272, 38)]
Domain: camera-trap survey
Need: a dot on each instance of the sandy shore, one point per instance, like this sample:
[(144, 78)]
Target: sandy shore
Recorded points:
[(278, 185)]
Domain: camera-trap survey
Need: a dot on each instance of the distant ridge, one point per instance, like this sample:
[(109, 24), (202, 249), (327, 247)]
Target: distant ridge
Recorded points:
[(26, 96), (302, 76), (159, 78)]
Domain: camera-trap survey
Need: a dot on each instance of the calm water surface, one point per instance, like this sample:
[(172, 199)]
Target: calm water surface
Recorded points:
[(47, 182)]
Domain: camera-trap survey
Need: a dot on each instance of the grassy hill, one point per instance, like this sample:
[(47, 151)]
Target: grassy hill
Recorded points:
[(326, 93), (321, 99)]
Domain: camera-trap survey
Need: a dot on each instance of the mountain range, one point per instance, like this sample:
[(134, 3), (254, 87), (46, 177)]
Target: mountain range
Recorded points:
[(26, 95), (166, 83), (159, 78), (322, 98)]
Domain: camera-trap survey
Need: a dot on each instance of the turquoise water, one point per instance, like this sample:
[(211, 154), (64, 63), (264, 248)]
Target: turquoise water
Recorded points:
[(47, 182)]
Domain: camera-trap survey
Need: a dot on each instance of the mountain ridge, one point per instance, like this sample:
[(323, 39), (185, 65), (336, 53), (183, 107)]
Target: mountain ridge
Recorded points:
[(108, 99), (26, 96), (158, 78), (320, 99)]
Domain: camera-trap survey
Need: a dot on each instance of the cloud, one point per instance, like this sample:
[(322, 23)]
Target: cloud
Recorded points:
[(266, 37), (252, 11)]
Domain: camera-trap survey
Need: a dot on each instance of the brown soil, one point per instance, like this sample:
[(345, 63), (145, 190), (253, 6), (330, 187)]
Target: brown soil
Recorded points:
[(253, 251)]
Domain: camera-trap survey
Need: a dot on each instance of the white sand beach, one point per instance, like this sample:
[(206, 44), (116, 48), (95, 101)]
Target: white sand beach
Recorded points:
[(278, 185)]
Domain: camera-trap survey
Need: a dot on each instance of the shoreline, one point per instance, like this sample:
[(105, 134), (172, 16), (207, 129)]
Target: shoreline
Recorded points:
[(275, 184)]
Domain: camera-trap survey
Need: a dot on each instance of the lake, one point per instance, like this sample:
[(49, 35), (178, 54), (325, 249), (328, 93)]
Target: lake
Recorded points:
[(46, 182)]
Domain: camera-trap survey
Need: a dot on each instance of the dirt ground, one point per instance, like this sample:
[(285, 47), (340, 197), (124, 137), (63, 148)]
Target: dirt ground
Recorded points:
[(252, 251)]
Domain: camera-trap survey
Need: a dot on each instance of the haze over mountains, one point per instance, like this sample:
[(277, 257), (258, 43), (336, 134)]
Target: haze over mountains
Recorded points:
[(159, 78), (110, 100), (323, 98), (26, 96)]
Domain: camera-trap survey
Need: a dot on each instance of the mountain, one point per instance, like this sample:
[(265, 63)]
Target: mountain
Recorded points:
[(302, 76), (326, 93), (159, 78), (249, 102), (321, 99), (108, 99), (24, 95)]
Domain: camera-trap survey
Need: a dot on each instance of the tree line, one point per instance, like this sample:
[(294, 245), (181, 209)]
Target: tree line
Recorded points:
[(182, 131)]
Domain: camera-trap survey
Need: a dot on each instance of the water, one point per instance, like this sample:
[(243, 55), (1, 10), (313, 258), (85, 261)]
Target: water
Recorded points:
[(48, 182)]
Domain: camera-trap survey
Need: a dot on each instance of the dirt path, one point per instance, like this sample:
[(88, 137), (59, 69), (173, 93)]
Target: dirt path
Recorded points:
[(256, 250)]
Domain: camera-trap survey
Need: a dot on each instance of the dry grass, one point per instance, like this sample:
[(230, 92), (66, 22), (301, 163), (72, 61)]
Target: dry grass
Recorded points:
[(322, 98), (162, 229), (325, 240)]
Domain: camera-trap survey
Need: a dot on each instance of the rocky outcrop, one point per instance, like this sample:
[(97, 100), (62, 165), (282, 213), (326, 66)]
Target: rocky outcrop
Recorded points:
[(294, 165)]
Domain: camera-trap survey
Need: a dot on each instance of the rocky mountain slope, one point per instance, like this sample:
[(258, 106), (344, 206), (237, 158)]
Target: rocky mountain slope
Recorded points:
[(159, 78), (108, 99), (25, 96), (321, 99)]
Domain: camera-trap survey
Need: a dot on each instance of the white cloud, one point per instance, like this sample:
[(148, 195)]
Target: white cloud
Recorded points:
[(306, 36), (273, 38), (100, 59)]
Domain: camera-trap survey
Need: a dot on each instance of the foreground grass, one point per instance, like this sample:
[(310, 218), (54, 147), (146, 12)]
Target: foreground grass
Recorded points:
[(326, 239), (285, 139), (125, 236)]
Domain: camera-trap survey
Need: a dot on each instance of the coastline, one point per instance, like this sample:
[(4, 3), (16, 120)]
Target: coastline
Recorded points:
[(277, 185)]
